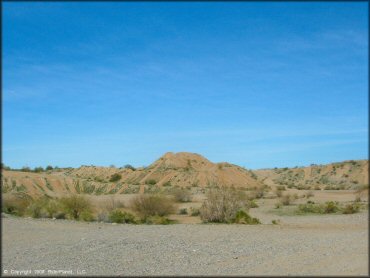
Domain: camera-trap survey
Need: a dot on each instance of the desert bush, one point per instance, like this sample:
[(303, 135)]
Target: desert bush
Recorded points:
[(16, 204), (281, 187), (279, 193), (309, 194), (87, 216), (181, 195), (328, 207), (351, 208), (150, 205), (310, 208), (128, 166), (286, 200), (38, 169), (260, 193), (242, 217), (115, 177), (222, 205), (183, 211), (113, 204), (42, 208), (331, 207), (117, 216), (103, 217), (194, 212), (278, 205), (252, 204), (167, 184), (151, 182), (157, 220), (74, 205), (275, 222)]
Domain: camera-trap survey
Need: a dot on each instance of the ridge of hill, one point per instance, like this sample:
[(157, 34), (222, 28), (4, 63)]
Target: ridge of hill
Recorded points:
[(181, 169), (349, 174)]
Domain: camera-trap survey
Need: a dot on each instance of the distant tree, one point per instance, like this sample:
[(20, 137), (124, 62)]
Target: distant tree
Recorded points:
[(49, 167), (128, 166), (115, 177), (26, 169), (38, 169)]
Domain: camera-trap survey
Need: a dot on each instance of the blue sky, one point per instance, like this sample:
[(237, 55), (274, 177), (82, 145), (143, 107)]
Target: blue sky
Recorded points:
[(256, 84)]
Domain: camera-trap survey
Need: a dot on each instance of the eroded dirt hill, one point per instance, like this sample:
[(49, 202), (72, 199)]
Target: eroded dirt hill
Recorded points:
[(350, 174), (173, 169)]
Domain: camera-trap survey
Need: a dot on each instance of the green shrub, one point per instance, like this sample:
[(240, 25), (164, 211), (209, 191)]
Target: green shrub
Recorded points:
[(167, 184), (87, 216), (281, 187), (117, 216), (310, 208), (242, 217), (275, 222), (183, 211), (115, 177), (151, 182), (38, 169), (331, 207), (74, 205), (252, 204), (150, 205), (195, 212), (128, 166), (278, 205), (43, 207)]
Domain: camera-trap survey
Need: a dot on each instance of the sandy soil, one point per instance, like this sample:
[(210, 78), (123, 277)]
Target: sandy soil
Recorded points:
[(308, 245)]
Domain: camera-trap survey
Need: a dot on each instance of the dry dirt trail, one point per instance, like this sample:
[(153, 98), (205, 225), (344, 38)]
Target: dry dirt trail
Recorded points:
[(318, 245)]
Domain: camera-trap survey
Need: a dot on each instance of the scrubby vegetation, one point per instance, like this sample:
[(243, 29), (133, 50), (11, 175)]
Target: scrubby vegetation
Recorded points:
[(226, 205), (328, 207), (74, 205), (150, 205), (117, 216), (115, 177), (181, 195)]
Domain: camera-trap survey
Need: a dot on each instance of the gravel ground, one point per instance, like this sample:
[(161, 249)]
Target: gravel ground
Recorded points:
[(317, 245)]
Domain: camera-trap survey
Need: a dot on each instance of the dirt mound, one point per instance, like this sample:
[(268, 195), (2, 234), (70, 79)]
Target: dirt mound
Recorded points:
[(351, 174), (172, 169)]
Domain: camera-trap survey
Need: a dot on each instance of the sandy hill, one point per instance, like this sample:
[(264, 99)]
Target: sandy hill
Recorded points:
[(171, 170), (349, 174)]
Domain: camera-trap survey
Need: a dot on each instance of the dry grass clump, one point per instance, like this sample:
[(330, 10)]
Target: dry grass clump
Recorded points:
[(150, 205), (223, 205), (181, 195), (287, 199), (309, 194), (15, 203)]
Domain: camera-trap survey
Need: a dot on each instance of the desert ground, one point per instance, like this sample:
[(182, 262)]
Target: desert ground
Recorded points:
[(299, 245)]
